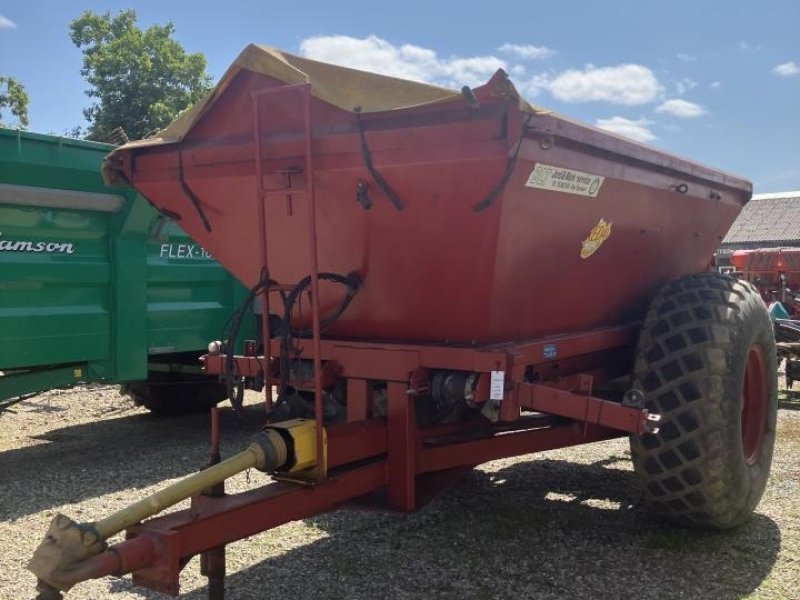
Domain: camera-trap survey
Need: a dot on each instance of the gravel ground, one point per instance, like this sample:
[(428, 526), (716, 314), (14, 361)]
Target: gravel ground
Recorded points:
[(561, 524)]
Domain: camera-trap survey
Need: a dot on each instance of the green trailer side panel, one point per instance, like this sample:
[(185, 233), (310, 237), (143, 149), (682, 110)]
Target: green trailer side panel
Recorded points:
[(183, 279), (54, 306), (94, 276), (129, 291)]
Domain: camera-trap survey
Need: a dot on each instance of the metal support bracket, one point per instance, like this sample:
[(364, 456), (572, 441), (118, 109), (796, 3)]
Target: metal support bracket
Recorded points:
[(586, 408)]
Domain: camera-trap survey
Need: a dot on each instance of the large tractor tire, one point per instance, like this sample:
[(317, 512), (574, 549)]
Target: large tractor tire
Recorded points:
[(706, 362), (171, 394)]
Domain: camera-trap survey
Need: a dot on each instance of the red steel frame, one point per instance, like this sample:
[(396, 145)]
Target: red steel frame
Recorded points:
[(547, 403), (403, 461), (394, 453)]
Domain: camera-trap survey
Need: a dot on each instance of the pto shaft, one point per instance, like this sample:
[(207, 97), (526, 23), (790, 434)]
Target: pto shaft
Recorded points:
[(68, 544), (178, 491)]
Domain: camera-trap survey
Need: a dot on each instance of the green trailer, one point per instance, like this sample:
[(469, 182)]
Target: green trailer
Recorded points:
[(97, 286)]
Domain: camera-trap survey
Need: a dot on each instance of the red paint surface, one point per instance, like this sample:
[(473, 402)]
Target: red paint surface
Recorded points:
[(438, 271)]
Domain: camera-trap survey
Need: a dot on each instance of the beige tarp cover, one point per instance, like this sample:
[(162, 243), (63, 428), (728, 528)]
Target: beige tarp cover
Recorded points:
[(339, 86)]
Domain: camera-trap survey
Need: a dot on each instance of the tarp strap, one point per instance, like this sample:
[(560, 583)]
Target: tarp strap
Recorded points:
[(382, 183), (191, 195), (500, 185)]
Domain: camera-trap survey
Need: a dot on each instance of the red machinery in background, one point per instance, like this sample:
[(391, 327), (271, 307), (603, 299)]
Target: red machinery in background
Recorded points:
[(446, 278), (775, 272)]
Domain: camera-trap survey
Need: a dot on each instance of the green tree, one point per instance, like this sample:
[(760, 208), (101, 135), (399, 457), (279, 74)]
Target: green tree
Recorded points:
[(142, 79), (13, 97)]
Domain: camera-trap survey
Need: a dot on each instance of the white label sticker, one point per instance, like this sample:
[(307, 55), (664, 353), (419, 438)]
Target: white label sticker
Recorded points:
[(498, 384), (547, 177)]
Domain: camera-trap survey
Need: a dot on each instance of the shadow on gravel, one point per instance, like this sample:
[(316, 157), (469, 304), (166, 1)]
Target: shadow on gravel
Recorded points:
[(88, 460), (544, 529), (789, 399)]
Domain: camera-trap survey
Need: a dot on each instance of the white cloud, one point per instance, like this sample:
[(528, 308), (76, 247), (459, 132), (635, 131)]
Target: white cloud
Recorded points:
[(534, 85), (638, 129), (526, 51), (623, 84), (6, 23), (715, 85), (787, 69), (685, 57), (407, 61), (685, 85), (680, 108), (745, 46), (470, 71)]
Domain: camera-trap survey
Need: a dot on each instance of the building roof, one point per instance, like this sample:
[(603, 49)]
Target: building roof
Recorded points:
[(768, 218)]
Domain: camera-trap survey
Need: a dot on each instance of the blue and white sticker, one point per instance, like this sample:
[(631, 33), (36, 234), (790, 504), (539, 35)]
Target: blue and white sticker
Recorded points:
[(550, 351)]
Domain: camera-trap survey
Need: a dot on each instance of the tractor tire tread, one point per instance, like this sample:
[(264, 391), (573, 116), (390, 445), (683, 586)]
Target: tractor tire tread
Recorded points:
[(685, 365)]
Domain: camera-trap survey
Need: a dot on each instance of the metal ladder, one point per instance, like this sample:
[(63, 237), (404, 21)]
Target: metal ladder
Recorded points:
[(262, 196)]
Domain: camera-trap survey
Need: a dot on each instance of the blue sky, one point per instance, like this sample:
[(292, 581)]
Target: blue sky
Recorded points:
[(718, 82)]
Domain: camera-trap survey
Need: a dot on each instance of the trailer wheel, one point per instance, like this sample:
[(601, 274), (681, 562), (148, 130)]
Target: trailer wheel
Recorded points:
[(172, 394), (706, 361)]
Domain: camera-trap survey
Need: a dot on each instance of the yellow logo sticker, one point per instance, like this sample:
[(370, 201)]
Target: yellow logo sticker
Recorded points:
[(599, 234)]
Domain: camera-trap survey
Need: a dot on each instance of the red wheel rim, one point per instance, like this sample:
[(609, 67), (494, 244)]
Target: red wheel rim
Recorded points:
[(754, 405)]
